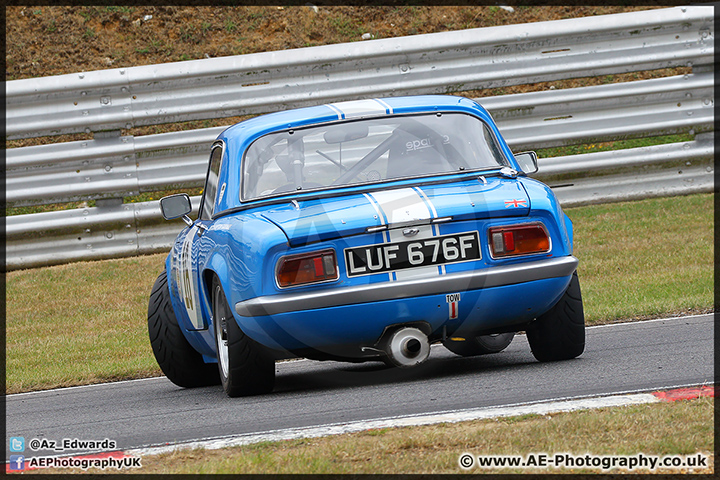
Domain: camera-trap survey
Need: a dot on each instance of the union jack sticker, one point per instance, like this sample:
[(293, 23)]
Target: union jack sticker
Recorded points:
[(515, 203)]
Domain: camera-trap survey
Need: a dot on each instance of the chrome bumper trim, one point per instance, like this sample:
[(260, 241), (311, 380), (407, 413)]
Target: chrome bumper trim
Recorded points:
[(377, 292)]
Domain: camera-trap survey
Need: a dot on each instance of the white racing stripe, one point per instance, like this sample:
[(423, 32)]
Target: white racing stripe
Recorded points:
[(402, 205), (361, 108), (406, 205), (427, 201), (381, 217), (336, 110)]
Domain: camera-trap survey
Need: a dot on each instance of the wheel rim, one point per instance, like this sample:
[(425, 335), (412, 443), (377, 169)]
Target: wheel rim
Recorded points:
[(221, 334)]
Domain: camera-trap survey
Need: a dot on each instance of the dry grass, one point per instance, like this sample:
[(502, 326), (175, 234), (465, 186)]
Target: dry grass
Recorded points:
[(47, 40)]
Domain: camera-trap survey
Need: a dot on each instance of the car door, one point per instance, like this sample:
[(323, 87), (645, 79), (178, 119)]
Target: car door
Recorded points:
[(192, 251)]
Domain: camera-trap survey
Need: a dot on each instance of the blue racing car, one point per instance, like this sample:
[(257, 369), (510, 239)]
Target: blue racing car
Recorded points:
[(363, 230)]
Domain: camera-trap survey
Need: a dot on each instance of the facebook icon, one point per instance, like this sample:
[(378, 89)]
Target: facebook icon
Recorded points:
[(17, 462)]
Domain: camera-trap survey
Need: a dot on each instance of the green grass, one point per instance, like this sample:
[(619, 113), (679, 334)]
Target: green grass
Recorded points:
[(142, 197), (645, 258), (613, 145), (679, 428), (79, 323), (86, 322)]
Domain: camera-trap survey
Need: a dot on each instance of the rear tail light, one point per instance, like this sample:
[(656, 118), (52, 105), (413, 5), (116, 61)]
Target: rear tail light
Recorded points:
[(306, 268), (518, 240)]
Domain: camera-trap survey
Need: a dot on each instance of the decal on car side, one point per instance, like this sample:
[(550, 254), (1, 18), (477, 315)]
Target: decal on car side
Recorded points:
[(514, 203), (188, 281)]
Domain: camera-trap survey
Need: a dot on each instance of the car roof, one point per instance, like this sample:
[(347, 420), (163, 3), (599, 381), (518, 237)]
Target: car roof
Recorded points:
[(353, 109)]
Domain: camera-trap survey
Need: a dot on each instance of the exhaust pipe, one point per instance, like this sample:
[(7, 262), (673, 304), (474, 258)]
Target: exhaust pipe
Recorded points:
[(407, 347)]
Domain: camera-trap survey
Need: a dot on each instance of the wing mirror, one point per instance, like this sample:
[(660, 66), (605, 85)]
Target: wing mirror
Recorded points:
[(527, 161), (176, 206)]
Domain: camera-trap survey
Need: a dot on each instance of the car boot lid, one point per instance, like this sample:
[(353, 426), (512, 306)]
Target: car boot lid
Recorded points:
[(315, 220)]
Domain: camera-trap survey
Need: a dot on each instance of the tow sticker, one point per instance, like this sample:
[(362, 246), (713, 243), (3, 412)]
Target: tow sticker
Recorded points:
[(453, 300)]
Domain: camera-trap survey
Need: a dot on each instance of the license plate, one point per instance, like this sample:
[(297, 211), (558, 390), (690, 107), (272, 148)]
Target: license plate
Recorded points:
[(388, 257)]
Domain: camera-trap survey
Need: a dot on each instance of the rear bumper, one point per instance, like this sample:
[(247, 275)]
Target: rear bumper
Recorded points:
[(451, 283)]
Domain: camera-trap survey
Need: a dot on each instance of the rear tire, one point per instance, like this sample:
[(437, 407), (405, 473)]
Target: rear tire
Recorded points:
[(178, 360), (559, 334), (245, 366), (482, 345)]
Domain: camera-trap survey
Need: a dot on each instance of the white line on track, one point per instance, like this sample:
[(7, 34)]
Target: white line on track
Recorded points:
[(539, 408), (63, 389), (639, 322)]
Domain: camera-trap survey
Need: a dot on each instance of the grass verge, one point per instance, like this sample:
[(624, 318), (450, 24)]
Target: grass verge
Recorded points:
[(679, 428), (85, 323), (647, 258)]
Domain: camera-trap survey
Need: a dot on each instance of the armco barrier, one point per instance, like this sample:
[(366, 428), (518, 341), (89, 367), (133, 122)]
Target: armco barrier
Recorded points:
[(123, 166), (112, 166)]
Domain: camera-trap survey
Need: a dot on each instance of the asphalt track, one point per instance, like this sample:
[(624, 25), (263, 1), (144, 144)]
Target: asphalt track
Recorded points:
[(636, 356)]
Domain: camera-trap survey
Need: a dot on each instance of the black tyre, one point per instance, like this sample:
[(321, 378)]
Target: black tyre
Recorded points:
[(559, 334), (178, 360), (245, 366), (481, 345)]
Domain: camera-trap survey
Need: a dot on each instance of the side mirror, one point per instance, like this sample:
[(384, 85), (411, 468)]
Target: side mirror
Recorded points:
[(527, 161), (176, 206)]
